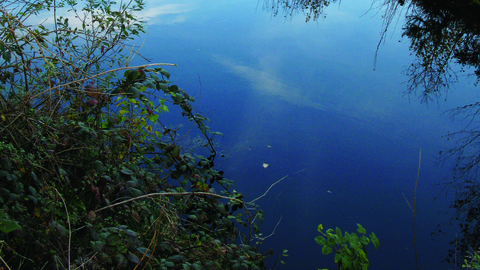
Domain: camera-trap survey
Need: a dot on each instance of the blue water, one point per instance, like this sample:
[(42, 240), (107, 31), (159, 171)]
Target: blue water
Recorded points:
[(305, 99)]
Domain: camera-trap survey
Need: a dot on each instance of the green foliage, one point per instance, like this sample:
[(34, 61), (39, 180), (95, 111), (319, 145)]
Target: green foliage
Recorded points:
[(90, 176), (349, 248), (472, 261)]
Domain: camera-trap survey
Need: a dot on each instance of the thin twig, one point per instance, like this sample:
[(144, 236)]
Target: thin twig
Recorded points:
[(263, 238), (4, 261), (455, 258), (415, 203), (268, 190), (69, 229), (168, 194), (101, 74)]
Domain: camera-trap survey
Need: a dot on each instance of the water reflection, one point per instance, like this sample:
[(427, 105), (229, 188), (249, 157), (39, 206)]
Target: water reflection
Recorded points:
[(308, 91), (266, 82), (441, 34), (312, 10)]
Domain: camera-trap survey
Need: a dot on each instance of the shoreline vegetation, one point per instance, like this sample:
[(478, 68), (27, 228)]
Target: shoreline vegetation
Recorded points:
[(91, 177)]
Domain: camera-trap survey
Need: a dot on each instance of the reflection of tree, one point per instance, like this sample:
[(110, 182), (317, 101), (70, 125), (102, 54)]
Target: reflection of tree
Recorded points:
[(465, 184), (441, 33), (312, 9)]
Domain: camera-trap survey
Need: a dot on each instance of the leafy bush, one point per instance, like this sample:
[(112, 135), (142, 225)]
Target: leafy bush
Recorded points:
[(350, 248), (472, 261), (90, 176)]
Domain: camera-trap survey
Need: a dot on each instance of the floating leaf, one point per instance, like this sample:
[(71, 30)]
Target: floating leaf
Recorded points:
[(265, 165)]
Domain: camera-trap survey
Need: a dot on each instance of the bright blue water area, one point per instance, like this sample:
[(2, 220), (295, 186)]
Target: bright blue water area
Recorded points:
[(305, 98)]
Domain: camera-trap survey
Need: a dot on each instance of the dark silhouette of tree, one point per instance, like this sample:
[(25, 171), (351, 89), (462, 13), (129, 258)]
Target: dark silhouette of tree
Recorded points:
[(441, 32)]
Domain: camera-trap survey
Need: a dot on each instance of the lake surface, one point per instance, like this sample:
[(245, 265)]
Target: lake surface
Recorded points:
[(305, 99)]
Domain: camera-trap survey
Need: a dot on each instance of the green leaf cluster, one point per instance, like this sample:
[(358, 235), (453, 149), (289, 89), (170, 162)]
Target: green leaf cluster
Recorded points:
[(350, 251), (472, 261)]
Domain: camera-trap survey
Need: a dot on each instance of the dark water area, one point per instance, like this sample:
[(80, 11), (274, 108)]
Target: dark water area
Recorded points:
[(304, 99)]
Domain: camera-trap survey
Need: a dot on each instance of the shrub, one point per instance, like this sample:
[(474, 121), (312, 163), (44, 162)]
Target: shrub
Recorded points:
[(350, 251), (90, 176)]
